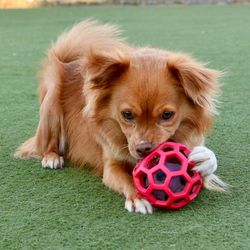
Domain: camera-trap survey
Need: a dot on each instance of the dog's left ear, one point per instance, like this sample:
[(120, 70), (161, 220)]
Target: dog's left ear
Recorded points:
[(104, 69), (101, 72), (200, 84)]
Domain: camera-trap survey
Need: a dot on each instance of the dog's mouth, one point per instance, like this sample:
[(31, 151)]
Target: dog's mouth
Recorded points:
[(138, 157), (135, 156)]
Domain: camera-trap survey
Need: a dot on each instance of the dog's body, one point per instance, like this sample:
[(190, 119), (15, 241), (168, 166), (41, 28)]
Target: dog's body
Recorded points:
[(104, 104)]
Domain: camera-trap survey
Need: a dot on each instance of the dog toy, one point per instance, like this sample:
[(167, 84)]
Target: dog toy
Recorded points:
[(165, 177)]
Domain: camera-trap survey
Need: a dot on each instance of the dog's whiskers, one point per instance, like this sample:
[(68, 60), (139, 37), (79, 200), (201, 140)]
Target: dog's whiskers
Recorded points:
[(124, 147)]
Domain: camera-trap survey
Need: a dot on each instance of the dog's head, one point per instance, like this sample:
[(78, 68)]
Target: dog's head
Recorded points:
[(151, 96)]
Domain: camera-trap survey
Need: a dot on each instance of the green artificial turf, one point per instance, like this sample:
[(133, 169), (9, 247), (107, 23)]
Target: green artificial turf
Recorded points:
[(70, 208)]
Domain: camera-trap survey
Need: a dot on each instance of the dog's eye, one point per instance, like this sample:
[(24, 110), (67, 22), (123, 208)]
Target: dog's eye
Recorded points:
[(167, 115), (127, 115)]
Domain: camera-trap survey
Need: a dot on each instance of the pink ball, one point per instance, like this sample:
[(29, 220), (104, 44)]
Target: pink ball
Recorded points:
[(165, 177)]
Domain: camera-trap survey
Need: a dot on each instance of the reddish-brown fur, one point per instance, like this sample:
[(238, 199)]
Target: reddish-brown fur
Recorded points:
[(90, 76)]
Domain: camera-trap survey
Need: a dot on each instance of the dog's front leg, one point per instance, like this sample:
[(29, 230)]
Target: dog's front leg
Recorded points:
[(117, 178)]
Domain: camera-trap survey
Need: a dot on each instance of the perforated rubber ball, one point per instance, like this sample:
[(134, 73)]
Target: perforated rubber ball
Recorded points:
[(166, 178)]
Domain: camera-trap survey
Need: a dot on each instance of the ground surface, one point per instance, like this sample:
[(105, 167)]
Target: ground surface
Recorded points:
[(70, 209)]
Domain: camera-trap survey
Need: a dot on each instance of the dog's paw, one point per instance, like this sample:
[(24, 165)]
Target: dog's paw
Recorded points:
[(206, 165), (52, 160), (205, 159), (139, 206)]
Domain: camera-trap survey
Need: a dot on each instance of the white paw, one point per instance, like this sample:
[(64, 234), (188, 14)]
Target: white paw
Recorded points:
[(52, 160), (139, 206), (205, 159)]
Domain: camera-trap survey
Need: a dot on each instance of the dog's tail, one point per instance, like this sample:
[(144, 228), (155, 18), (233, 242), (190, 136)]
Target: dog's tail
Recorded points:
[(83, 38), (28, 150)]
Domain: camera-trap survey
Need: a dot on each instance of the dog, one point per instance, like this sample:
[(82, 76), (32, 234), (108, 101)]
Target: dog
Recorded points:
[(106, 105)]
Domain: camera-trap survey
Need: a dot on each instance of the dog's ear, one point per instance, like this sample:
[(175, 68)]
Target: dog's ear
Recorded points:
[(200, 84), (101, 72), (104, 69)]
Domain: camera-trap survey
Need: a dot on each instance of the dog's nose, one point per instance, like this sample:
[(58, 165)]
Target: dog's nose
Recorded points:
[(144, 148)]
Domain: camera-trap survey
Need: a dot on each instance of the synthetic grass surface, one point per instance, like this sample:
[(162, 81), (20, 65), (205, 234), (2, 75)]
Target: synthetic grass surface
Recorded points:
[(70, 208)]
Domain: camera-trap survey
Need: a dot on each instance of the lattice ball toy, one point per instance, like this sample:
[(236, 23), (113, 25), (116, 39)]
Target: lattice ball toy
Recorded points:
[(165, 177)]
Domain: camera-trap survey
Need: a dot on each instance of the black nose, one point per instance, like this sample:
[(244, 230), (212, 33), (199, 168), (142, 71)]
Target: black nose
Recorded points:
[(143, 149)]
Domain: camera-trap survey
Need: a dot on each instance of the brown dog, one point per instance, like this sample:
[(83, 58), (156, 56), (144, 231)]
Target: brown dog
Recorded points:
[(105, 104)]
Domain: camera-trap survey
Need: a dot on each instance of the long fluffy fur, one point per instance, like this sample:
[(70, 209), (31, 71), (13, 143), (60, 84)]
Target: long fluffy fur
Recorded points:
[(82, 81)]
